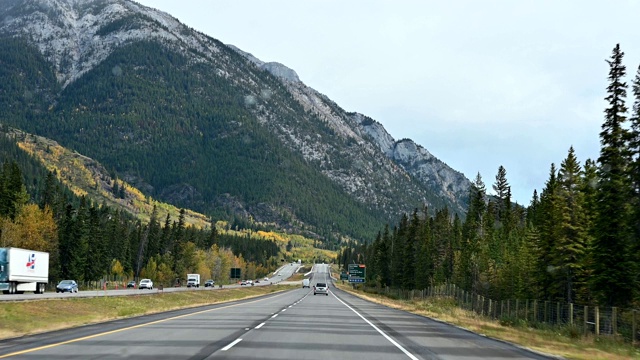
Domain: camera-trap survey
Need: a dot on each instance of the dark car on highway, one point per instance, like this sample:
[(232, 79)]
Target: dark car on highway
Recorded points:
[(131, 284), (209, 283)]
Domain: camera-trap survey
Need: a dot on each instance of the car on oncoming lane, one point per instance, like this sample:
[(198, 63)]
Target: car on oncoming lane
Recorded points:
[(67, 286), (209, 283), (146, 284)]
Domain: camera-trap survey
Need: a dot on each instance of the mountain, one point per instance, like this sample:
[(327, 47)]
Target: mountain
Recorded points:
[(204, 125)]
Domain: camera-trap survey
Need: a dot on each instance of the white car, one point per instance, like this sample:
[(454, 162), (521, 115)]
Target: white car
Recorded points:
[(146, 284), (321, 288)]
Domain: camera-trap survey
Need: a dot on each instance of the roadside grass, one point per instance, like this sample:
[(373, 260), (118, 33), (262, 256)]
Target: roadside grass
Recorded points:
[(19, 318), (566, 342)]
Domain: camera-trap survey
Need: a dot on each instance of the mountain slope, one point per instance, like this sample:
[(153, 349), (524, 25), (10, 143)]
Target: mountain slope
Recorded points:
[(206, 126)]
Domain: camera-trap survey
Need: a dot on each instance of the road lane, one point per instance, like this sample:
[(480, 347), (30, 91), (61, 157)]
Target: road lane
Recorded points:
[(186, 334), (294, 324)]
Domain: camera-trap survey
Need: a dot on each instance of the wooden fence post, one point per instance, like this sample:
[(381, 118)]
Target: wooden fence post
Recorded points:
[(597, 321), (571, 313), (586, 319), (558, 313), (633, 327), (614, 320), (517, 308), (535, 311)]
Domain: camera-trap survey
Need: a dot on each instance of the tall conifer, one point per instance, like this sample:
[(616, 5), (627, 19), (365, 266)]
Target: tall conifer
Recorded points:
[(614, 271)]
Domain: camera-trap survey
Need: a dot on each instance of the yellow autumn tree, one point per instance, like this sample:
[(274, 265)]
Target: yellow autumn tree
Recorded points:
[(32, 229)]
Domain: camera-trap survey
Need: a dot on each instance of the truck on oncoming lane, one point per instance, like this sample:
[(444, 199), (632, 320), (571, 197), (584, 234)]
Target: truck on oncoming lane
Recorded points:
[(23, 270), (193, 280)]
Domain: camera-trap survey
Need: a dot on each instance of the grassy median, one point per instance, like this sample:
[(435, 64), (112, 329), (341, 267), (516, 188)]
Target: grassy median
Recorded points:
[(19, 318), (564, 342)]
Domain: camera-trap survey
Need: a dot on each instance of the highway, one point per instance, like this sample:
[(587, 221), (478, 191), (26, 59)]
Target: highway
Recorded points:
[(290, 325), (282, 274)]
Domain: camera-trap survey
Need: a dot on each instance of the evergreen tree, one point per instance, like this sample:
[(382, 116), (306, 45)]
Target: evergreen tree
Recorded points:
[(634, 169), (472, 234), (614, 274), (570, 250), (550, 230)]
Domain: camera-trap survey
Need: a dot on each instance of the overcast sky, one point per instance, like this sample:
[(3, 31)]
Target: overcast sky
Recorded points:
[(477, 83)]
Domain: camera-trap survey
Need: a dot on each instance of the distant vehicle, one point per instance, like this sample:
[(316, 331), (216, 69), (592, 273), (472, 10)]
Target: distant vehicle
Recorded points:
[(321, 288), (193, 280), (131, 284), (266, 279), (23, 270), (209, 283), (305, 283), (67, 286), (146, 284), (243, 282)]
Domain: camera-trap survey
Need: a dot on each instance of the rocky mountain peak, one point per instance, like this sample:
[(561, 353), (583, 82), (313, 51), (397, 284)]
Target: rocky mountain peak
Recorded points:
[(275, 68)]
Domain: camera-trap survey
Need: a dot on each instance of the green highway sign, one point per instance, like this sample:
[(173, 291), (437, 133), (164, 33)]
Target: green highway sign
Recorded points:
[(357, 273), (344, 276)]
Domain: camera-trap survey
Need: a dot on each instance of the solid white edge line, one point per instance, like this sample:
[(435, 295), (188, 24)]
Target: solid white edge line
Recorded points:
[(259, 326), (231, 345), (410, 355)]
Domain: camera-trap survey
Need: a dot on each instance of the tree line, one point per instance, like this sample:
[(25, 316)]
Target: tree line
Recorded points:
[(92, 242), (577, 241)]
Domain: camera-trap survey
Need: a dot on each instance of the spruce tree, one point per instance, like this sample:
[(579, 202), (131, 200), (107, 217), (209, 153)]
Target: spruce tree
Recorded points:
[(614, 271), (570, 250), (634, 146)]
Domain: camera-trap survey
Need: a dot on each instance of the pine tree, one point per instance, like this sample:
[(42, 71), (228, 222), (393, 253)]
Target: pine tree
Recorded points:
[(472, 235), (614, 271), (503, 193), (550, 230), (634, 169), (570, 248)]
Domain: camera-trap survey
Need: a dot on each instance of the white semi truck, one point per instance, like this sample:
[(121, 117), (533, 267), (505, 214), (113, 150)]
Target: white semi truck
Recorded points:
[(23, 270), (193, 280)]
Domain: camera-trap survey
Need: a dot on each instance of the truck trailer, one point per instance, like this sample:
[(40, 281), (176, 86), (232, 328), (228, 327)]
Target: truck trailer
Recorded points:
[(23, 270)]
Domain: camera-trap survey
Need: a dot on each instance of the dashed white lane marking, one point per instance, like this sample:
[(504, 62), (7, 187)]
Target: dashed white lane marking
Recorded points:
[(129, 328), (231, 345), (410, 355), (274, 316), (259, 326)]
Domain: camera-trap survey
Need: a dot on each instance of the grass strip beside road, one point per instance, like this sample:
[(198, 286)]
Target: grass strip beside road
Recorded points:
[(562, 342), (21, 318)]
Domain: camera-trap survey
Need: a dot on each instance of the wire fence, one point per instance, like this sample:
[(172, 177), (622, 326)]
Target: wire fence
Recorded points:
[(599, 321)]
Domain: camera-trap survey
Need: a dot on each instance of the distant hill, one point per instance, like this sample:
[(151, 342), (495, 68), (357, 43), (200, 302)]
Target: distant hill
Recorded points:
[(193, 122), (86, 177)]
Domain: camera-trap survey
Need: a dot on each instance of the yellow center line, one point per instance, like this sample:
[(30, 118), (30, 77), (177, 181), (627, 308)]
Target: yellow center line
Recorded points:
[(128, 328)]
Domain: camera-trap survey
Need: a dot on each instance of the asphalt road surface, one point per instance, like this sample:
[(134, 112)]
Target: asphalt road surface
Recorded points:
[(291, 325)]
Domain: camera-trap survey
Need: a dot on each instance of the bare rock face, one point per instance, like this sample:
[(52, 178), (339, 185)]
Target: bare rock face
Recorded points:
[(281, 71)]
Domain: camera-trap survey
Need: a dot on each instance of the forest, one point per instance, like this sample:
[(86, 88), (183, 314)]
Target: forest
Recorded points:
[(91, 242), (578, 241)]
